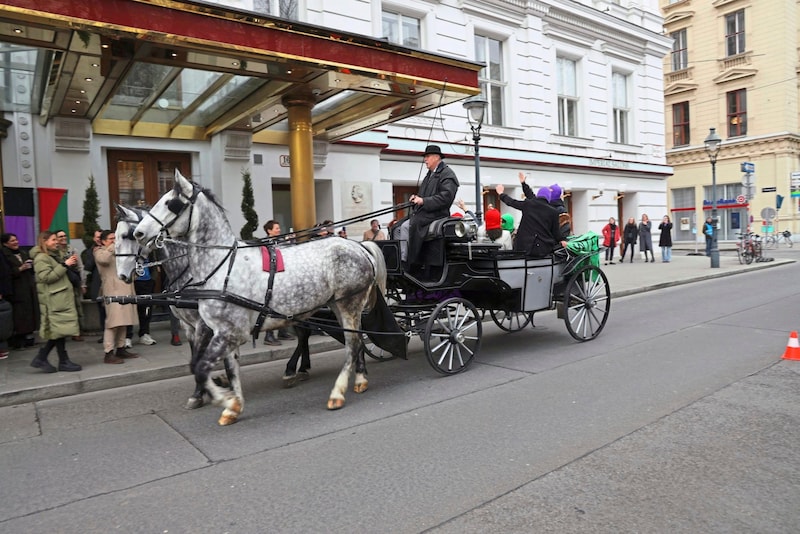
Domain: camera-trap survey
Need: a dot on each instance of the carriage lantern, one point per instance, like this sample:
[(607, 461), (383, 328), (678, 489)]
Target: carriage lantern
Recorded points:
[(476, 110)]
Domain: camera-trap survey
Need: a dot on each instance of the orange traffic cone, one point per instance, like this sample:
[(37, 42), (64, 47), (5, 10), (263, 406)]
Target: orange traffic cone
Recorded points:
[(792, 348)]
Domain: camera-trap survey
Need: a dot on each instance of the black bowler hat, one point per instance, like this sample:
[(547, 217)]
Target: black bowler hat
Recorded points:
[(433, 149)]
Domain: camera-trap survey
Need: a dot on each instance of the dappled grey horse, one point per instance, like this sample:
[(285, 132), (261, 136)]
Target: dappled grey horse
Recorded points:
[(235, 293), (172, 258)]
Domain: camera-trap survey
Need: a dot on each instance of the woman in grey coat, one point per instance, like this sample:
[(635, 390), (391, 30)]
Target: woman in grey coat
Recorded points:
[(645, 238)]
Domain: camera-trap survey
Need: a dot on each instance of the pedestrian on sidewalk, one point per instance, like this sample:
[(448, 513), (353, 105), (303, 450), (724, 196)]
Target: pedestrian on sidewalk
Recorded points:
[(273, 229), (610, 239), (66, 250), (708, 231), (144, 285), (629, 236), (646, 238), (6, 311), (118, 316), (22, 295), (59, 318), (665, 239)]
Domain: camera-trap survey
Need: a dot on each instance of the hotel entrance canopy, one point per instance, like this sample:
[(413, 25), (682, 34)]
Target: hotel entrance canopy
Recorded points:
[(188, 70)]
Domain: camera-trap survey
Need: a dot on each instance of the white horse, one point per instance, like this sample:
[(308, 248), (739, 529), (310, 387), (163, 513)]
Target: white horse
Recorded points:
[(235, 293)]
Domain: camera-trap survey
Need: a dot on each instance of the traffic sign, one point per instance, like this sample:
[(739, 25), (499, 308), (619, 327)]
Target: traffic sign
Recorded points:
[(768, 189), (748, 166), (740, 199), (768, 213)]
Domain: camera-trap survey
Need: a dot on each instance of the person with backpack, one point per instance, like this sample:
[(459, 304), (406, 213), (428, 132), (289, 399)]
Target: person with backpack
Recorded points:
[(708, 231)]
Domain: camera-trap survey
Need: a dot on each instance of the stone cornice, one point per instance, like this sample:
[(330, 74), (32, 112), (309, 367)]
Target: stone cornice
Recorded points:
[(749, 148)]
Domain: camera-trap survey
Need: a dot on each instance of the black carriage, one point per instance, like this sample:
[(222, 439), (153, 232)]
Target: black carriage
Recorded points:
[(447, 312)]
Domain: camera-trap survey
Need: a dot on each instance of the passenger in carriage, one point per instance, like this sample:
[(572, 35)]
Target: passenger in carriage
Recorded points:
[(436, 195), (538, 233), (492, 230), (564, 220), (507, 224)]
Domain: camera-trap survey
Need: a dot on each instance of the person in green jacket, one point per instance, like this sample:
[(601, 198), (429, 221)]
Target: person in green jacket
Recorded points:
[(59, 318)]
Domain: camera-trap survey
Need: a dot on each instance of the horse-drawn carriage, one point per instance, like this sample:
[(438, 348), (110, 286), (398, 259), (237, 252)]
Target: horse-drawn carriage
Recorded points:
[(236, 289), (447, 312)]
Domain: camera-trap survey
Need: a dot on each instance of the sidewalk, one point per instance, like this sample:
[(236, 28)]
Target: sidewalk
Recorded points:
[(20, 383)]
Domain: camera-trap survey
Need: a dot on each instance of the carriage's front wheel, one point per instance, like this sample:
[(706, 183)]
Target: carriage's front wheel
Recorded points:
[(511, 321), (452, 335), (587, 302)]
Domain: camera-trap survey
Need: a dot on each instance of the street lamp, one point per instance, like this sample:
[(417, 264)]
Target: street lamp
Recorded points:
[(476, 109), (712, 143)]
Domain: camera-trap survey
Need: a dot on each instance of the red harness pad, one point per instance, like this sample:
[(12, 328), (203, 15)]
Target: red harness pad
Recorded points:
[(265, 260)]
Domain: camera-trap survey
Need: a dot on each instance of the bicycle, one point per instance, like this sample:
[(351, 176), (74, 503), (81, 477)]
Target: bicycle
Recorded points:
[(777, 238), (748, 248)]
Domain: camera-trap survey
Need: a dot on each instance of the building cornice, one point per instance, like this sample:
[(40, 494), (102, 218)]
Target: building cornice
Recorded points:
[(784, 143)]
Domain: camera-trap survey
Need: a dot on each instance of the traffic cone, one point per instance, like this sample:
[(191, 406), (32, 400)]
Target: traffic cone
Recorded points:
[(792, 348)]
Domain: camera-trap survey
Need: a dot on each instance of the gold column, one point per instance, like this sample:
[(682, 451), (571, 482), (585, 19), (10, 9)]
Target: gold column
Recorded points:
[(301, 159)]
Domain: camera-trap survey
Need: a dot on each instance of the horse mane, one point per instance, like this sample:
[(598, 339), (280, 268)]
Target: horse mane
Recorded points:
[(209, 195)]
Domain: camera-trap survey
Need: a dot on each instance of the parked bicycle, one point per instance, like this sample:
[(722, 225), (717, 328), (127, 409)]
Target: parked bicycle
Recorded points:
[(748, 248), (776, 239)]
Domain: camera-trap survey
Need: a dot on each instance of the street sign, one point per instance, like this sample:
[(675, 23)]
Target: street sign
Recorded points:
[(740, 199), (768, 189), (795, 183), (768, 213), (748, 166), (748, 179)]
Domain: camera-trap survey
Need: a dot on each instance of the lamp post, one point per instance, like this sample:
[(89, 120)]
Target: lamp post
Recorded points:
[(712, 143), (476, 109)]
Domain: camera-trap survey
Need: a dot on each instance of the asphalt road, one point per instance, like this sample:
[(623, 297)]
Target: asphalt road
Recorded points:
[(680, 417)]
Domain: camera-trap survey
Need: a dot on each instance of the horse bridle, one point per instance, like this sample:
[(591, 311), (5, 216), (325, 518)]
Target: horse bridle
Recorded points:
[(176, 206)]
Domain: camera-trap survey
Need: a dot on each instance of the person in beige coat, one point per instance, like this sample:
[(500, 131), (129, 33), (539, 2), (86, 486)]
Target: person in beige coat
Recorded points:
[(118, 316), (59, 319)]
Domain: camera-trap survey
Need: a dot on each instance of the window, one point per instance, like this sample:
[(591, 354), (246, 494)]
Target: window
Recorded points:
[(286, 9), (737, 113), (401, 29), (490, 52), (734, 33), (680, 52), (680, 124), (567, 97), (619, 84)]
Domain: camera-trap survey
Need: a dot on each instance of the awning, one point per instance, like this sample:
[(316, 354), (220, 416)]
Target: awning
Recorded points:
[(187, 70)]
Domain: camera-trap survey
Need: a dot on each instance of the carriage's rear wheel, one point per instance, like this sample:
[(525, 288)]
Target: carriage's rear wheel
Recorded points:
[(511, 321), (452, 335), (587, 302)]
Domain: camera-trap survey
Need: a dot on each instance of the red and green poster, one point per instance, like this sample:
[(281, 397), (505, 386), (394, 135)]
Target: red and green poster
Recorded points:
[(53, 209)]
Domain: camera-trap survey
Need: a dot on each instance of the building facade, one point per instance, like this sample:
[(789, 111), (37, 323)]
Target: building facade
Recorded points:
[(733, 67), (574, 91)]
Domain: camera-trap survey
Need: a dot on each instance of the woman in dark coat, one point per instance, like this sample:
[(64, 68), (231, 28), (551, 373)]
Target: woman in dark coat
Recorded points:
[(665, 240), (645, 238), (23, 299), (629, 235)]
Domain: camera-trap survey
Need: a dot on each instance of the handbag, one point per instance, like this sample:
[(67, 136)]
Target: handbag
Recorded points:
[(74, 277)]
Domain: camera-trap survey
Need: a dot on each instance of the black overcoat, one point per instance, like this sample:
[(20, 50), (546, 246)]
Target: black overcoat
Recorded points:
[(438, 191), (538, 230), (665, 239), (24, 299)]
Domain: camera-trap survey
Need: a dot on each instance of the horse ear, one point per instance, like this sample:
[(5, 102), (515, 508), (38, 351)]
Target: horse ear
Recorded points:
[(182, 185)]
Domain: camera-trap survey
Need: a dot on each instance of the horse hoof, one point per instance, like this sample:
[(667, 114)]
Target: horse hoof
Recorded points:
[(335, 404), (360, 388), (194, 403), (289, 381), (226, 420), (302, 376)]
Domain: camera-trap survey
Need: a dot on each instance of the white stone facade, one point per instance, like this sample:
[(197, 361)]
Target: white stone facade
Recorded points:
[(605, 178)]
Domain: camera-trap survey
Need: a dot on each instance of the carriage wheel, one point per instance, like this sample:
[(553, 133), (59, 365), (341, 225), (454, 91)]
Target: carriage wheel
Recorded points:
[(587, 301), (452, 335), (374, 351), (511, 321)]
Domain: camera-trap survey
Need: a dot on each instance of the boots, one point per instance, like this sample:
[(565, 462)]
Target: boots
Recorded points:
[(64, 363), (40, 360), (269, 339), (123, 352), (110, 358)]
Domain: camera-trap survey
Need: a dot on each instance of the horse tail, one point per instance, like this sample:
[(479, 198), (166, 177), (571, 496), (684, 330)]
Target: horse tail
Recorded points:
[(380, 264)]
